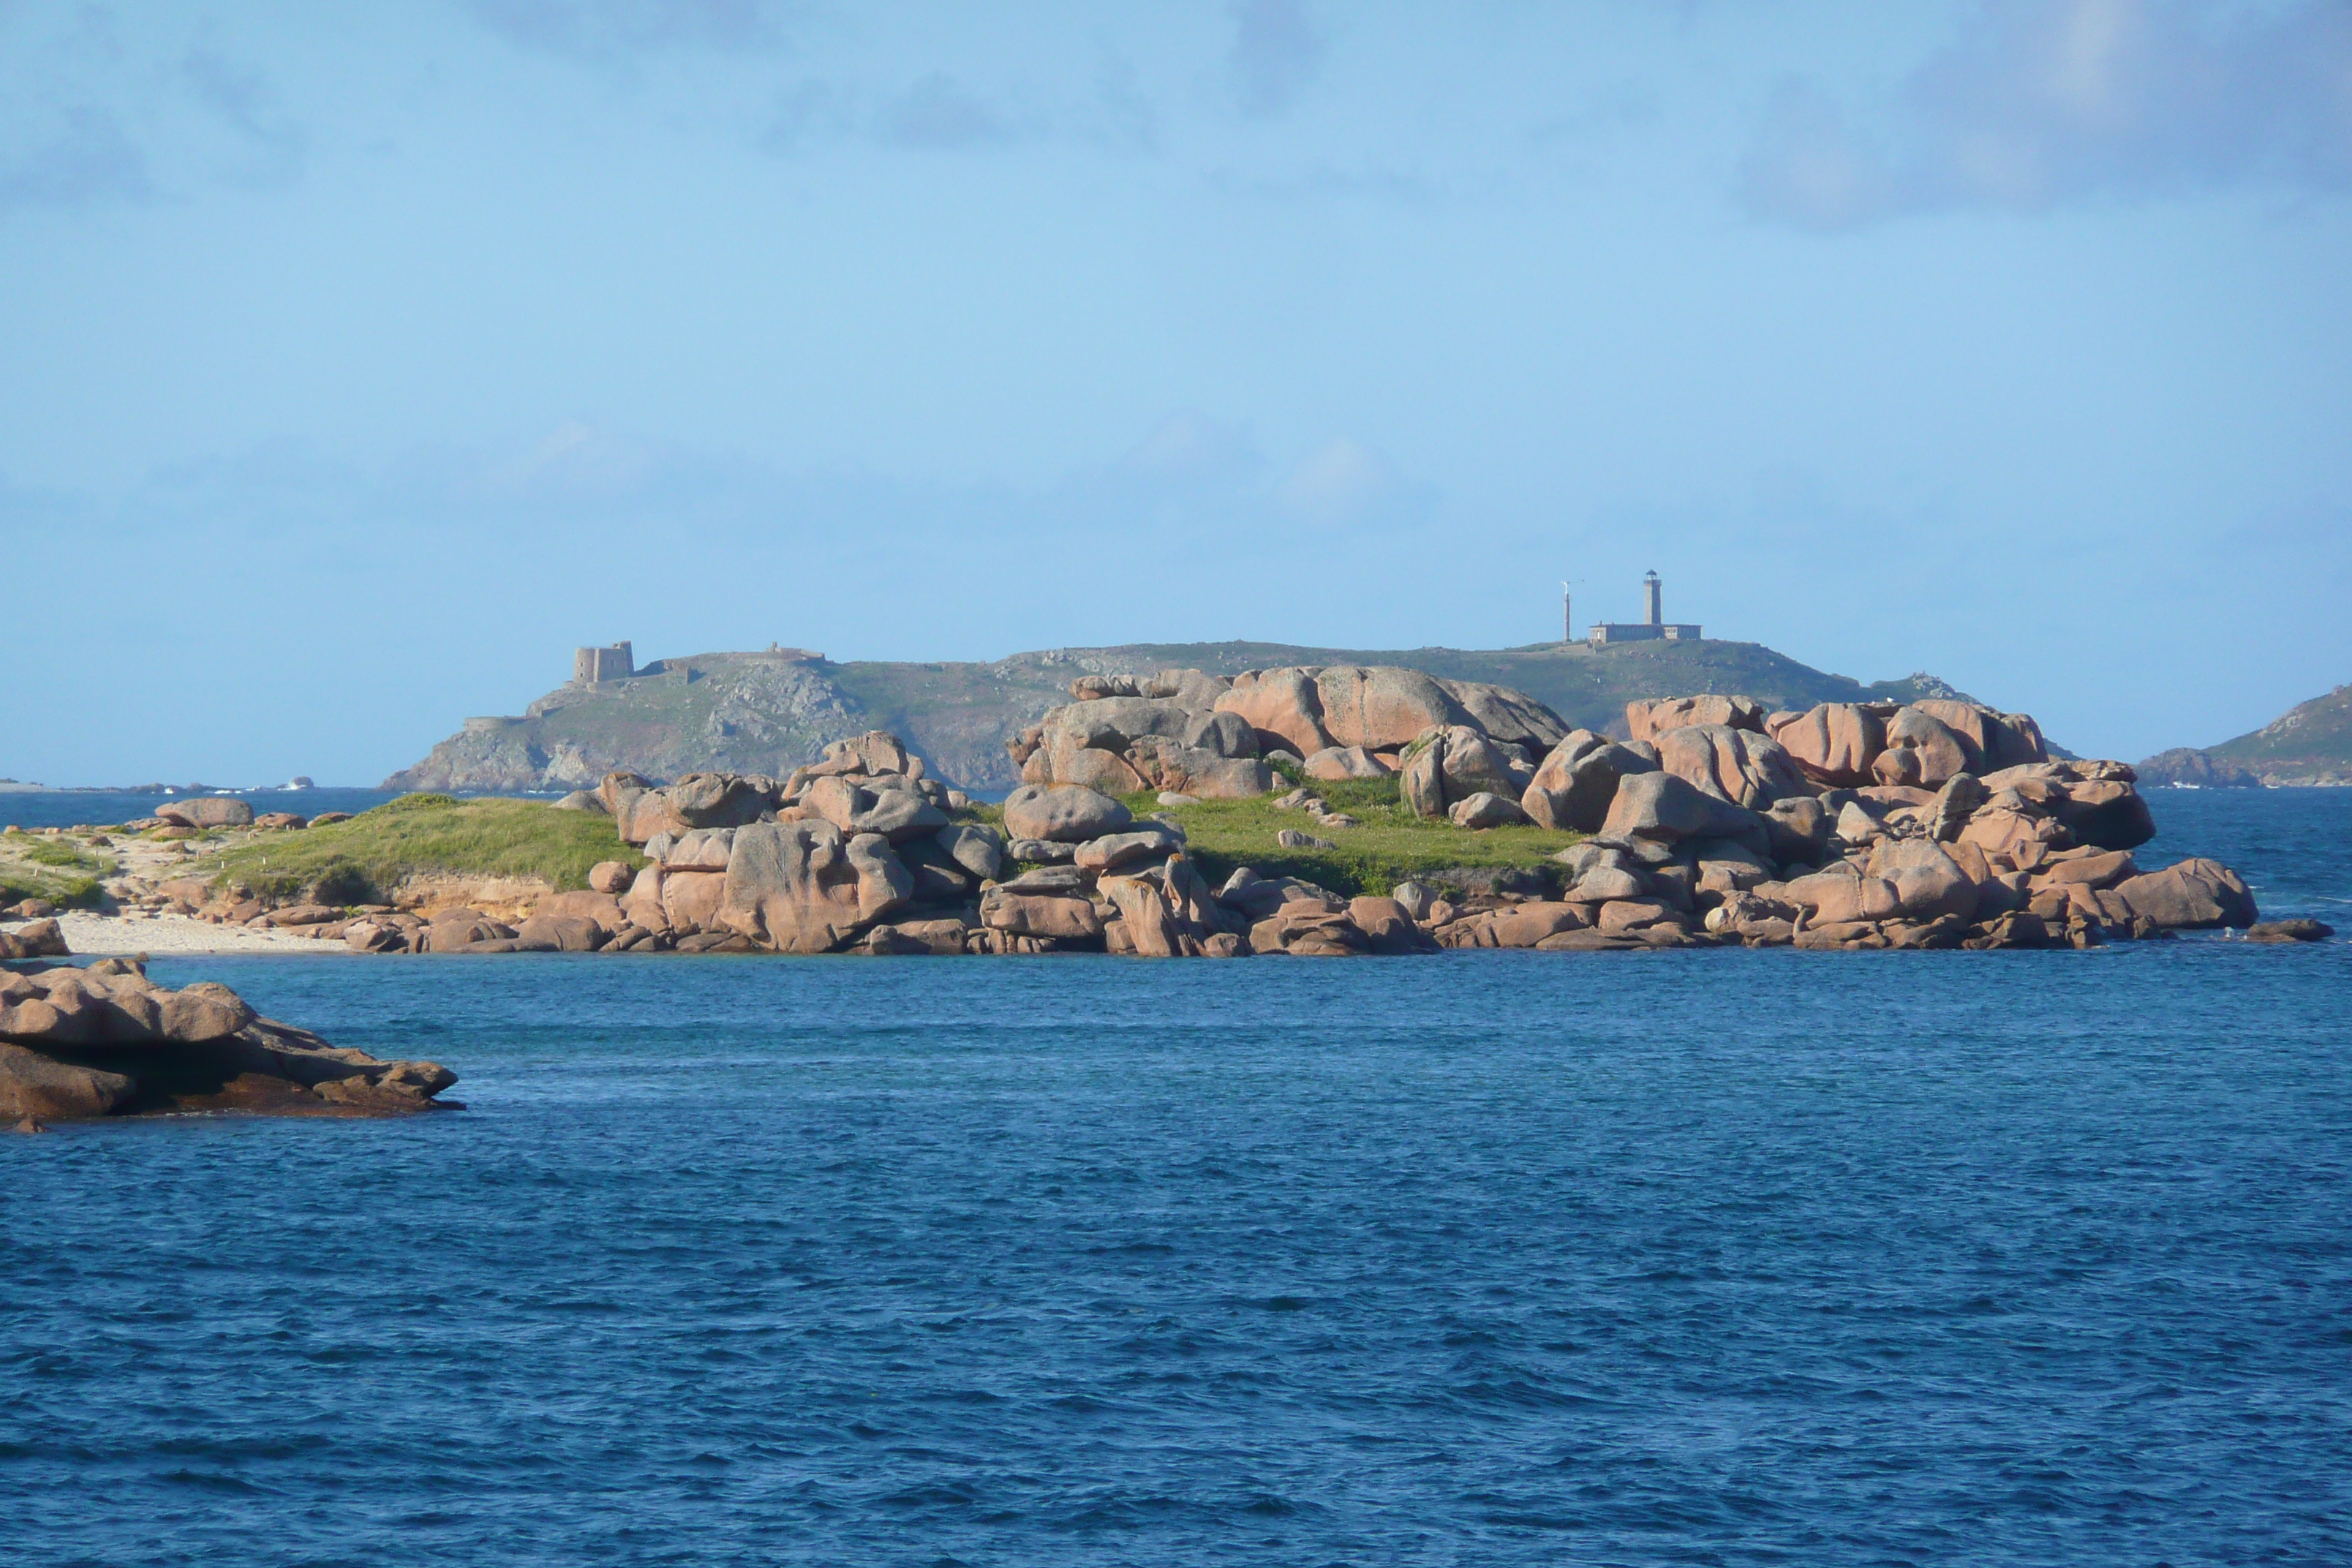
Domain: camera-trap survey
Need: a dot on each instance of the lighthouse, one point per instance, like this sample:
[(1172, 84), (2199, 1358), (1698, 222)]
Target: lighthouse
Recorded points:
[(1654, 626)]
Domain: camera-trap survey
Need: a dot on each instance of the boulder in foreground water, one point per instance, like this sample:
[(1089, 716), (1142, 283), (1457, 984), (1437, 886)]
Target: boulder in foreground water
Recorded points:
[(82, 1043)]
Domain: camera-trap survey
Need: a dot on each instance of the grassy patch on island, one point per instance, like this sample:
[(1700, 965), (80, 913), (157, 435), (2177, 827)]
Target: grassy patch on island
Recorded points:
[(43, 868), (1391, 845), (362, 860)]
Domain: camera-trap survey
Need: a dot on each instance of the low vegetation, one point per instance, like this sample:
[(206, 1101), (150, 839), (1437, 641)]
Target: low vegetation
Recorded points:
[(363, 860), (1389, 845), (65, 873)]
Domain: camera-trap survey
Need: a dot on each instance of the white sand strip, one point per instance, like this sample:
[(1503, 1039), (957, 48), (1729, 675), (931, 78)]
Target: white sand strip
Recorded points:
[(113, 935)]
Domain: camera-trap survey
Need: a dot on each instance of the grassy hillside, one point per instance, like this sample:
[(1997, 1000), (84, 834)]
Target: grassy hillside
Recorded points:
[(2309, 743), (768, 713), (363, 860), (63, 871)]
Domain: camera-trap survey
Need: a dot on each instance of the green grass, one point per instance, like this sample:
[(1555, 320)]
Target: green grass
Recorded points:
[(63, 856), (362, 860), (1392, 845), (49, 868)]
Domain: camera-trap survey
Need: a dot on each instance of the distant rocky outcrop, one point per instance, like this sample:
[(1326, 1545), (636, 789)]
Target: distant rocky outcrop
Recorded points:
[(1209, 736), (768, 712), (2309, 744)]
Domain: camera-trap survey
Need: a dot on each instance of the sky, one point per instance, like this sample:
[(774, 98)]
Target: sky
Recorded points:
[(357, 362)]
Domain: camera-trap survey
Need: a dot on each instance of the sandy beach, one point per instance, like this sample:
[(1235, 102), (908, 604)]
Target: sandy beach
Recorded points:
[(122, 935)]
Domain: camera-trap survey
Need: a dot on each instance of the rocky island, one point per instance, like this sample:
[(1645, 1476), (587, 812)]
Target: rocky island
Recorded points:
[(1304, 810)]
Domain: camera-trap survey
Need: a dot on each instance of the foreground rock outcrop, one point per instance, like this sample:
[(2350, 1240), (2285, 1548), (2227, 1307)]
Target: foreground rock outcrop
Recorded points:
[(104, 1040)]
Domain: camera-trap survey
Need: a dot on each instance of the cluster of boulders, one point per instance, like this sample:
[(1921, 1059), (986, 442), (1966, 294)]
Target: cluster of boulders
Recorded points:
[(105, 1040), (1214, 736), (858, 853), (1935, 824)]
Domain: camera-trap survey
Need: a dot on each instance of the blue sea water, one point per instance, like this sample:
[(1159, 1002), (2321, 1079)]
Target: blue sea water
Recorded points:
[(1681, 1258), (82, 807)]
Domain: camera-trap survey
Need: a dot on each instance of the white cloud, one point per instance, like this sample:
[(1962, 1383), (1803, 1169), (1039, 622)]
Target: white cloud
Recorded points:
[(1190, 448), (86, 158), (939, 112), (1341, 481), (2039, 103), (614, 29), (1275, 54)]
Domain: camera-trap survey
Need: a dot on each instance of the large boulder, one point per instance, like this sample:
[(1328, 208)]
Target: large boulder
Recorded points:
[(1742, 766), (1833, 742), (1577, 780), (978, 850), (548, 932), (1062, 917), (1152, 842), (1648, 720), (875, 752), (201, 1014), (1115, 723), (1840, 895), (1485, 809), (1165, 764), (644, 815), (206, 811), (1283, 707), (1927, 882), (1067, 813), (690, 900), (2109, 814), (1347, 763), (1667, 807), (616, 784), (1922, 752), (1511, 717), (1798, 829), (2197, 894), (1151, 931), (717, 800), (642, 903), (801, 886), (1450, 764), (1995, 741), (1382, 706), (940, 879), (35, 1087), (1379, 708)]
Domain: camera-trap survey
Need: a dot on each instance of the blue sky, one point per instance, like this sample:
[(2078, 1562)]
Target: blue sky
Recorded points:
[(361, 361)]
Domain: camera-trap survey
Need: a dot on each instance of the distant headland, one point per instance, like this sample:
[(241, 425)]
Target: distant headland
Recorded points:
[(769, 710)]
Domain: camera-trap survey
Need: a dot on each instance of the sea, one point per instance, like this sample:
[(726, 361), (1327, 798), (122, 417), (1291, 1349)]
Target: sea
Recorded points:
[(99, 808), (1704, 1258)]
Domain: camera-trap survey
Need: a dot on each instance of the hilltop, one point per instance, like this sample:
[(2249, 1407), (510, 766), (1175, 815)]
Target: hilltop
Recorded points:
[(768, 712), (2310, 744)]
